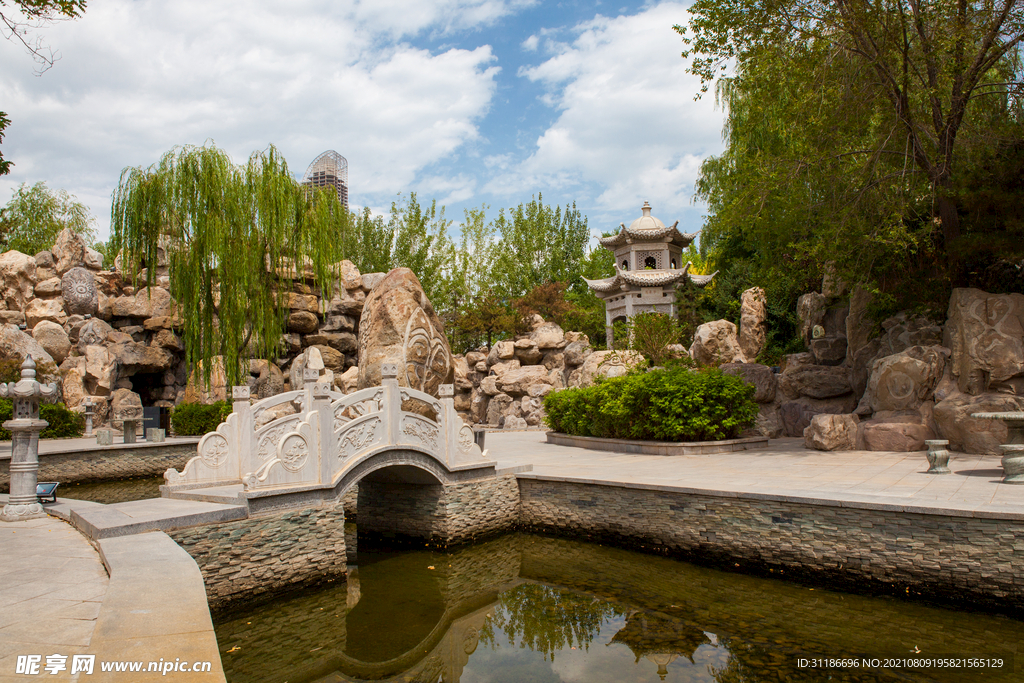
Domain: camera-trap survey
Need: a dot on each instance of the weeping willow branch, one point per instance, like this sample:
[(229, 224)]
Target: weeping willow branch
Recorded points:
[(237, 239)]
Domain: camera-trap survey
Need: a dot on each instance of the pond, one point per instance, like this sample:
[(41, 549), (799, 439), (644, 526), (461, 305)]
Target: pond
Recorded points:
[(108, 492), (533, 608)]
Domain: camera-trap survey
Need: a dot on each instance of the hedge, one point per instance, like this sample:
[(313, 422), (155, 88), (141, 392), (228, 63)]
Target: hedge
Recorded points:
[(661, 405), (64, 423), (196, 419)]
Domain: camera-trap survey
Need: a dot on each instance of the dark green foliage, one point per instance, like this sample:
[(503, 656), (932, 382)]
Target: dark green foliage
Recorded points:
[(196, 419), (660, 405), (64, 423)]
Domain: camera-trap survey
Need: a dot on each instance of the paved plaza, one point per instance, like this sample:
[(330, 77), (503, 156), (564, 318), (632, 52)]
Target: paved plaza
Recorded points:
[(53, 586), (784, 469)]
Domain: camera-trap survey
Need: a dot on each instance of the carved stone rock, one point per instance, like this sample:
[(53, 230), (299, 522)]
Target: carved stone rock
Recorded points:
[(78, 287), (985, 332), (753, 318), (904, 380), (399, 325), (608, 364)]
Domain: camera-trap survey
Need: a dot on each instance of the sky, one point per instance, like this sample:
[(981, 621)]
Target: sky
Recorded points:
[(468, 102)]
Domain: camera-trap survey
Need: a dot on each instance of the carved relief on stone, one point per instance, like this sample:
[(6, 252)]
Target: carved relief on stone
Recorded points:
[(427, 360), (294, 452), (214, 451), (356, 439), (421, 431), (78, 287), (268, 441)]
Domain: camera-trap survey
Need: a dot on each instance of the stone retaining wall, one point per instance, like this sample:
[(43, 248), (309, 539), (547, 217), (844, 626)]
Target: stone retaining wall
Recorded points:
[(266, 555), (946, 556), (455, 513), (106, 464)]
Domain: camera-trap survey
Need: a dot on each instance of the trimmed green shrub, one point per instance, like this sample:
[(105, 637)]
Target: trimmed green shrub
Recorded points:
[(661, 405), (64, 423), (196, 419)]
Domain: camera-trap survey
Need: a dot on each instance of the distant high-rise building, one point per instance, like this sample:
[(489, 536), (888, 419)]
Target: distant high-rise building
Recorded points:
[(330, 169)]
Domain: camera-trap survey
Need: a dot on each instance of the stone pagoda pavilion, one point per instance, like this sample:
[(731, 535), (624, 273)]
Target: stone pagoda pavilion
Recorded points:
[(647, 269)]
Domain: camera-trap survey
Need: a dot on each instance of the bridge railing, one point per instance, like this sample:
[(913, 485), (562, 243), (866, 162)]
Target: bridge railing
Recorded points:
[(329, 433)]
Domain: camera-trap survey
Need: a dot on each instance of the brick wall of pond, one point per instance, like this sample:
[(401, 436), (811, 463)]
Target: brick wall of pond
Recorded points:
[(105, 465), (951, 557), (455, 513), (269, 554)]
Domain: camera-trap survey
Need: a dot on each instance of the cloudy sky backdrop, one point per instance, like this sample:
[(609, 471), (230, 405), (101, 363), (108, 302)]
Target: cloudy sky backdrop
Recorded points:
[(465, 101)]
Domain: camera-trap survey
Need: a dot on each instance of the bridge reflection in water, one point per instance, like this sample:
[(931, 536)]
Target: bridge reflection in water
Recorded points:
[(526, 607)]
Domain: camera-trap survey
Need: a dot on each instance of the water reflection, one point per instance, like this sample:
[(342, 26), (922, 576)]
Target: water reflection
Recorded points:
[(529, 608), (110, 492)]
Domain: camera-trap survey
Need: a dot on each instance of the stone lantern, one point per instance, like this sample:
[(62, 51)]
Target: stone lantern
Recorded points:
[(25, 427)]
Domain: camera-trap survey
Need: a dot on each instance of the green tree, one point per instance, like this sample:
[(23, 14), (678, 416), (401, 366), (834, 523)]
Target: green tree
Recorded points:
[(931, 62), (238, 237), (35, 216)]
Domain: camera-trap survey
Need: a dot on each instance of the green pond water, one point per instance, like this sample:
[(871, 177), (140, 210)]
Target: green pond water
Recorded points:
[(527, 608)]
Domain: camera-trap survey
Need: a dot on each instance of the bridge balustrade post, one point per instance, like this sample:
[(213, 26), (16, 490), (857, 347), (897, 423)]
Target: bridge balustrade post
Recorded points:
[(245, 460), (392, 400), (450, 422), (309, 378), (323, 431)]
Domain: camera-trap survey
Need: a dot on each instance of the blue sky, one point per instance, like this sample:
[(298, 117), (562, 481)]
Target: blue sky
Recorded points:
[(468, 102)]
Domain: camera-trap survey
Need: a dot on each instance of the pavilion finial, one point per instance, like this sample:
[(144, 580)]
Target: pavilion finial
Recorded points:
[(646, 208)]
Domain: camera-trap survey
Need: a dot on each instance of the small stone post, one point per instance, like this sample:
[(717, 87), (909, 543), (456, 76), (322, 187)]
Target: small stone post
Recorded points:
[(25, 428), (88, 404)]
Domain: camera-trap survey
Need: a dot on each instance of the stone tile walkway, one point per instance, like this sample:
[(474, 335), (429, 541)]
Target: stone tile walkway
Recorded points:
[(52, 585), (89, 444), (786, 469)]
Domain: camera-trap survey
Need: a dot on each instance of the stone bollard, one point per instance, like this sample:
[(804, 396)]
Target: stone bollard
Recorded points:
[(938, 456), (25, 427), (129, 426), (104, 437), (154, 435), (88, 404)]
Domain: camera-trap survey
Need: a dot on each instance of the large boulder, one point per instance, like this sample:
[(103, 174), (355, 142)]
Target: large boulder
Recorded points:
[(815, 381), (270, 381), (38, 310), (608, 364), (199, 390), (125, 404), (54, 339), (975, 435), (760, 376), (904, 380), (101, 370), (148, 302), (18, 278), (715, 343), (769, 420), (518, 381), (498, 408), (985, 333), (796, 415), (16, 344), (399, 325), (548, 336), (832, 432), (134, 357), (310, 358), (859, 326), (503, 350), (900, 431), (73, 387), (68, 251), (810, 309), (93, 332), (350, 276), (78, 287), (753, 322)]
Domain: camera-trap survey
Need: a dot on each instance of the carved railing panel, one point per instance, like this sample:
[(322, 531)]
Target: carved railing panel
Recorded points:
[(330, 435)]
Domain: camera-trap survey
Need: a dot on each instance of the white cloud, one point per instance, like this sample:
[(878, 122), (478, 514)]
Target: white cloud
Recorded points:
[(137, 78), (628, 129), (530, 44)]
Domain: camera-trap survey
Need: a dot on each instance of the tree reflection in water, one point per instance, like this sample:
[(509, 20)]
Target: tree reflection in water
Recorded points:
[(547, 619)]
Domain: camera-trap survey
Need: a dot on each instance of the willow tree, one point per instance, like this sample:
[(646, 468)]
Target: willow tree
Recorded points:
[(237, 239)]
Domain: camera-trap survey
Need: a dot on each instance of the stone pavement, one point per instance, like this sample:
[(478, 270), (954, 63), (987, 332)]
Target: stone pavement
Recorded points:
[(52, 584), (48, 446), (783, 470)]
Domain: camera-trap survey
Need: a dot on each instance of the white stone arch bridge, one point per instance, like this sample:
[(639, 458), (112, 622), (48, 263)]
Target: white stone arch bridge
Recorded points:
[(334, 440)]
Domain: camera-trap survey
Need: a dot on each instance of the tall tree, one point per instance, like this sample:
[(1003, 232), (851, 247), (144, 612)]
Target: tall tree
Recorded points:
[(35, 216), (237, 237), (931, 61)]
